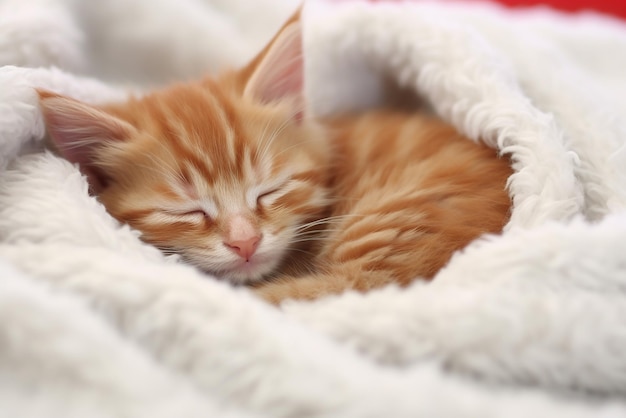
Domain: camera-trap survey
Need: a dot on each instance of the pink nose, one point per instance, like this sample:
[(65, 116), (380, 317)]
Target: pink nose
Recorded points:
[(244, 248)]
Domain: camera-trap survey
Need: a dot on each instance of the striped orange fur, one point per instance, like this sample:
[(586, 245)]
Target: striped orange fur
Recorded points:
[(409, 191), (231, 174)]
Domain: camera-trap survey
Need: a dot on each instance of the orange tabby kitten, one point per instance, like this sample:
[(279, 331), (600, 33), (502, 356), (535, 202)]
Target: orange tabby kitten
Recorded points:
[(231, 174)]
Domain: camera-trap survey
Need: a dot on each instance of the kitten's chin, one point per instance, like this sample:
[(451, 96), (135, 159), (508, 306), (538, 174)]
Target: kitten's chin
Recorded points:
[(248, 272)]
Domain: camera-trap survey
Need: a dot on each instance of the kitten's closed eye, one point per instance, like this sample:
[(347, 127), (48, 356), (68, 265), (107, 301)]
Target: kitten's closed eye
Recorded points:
[(269, 195), (194, 214), (265, 196), (197, 212)]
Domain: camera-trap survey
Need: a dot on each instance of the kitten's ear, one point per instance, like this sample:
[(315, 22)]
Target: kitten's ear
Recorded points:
[(277, 73), (78, 131)]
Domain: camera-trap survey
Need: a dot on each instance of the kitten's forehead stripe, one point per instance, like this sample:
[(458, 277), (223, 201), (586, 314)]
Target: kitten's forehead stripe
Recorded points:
[(190, 157), (216, 114), (168, 125), (231, 123), (206, 134), (193, 162)]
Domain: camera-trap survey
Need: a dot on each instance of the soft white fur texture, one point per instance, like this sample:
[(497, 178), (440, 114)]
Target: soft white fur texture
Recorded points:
[(94, 323)]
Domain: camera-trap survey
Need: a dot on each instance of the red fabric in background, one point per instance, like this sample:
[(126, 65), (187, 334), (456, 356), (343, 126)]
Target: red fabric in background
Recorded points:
[(613, 7), (616, 8)]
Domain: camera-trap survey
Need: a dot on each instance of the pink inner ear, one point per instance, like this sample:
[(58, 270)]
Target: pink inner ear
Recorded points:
[(289, 81), (66, 137), (79, 130), (280, 74)]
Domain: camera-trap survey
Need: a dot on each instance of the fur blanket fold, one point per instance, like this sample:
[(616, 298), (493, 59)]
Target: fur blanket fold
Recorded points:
[(95, 323)]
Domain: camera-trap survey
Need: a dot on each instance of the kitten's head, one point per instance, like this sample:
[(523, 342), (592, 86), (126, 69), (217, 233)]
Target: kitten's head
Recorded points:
[(224, 171)]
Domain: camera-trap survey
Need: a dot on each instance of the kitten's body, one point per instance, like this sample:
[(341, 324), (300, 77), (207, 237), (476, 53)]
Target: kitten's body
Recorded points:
[(228, 173), (409, 191)]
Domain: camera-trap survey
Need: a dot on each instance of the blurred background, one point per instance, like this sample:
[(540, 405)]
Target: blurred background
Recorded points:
[(152, 42)]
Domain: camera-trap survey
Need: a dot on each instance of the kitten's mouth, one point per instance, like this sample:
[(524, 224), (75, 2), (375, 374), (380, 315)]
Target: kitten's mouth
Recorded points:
[(249, 266), (246, 271), (254, 269)]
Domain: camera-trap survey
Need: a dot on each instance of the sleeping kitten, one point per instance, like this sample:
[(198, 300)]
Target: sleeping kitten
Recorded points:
[(231, 174)]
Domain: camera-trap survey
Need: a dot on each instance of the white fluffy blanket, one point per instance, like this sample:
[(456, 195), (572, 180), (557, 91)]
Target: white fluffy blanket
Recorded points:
[(94, 323)]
